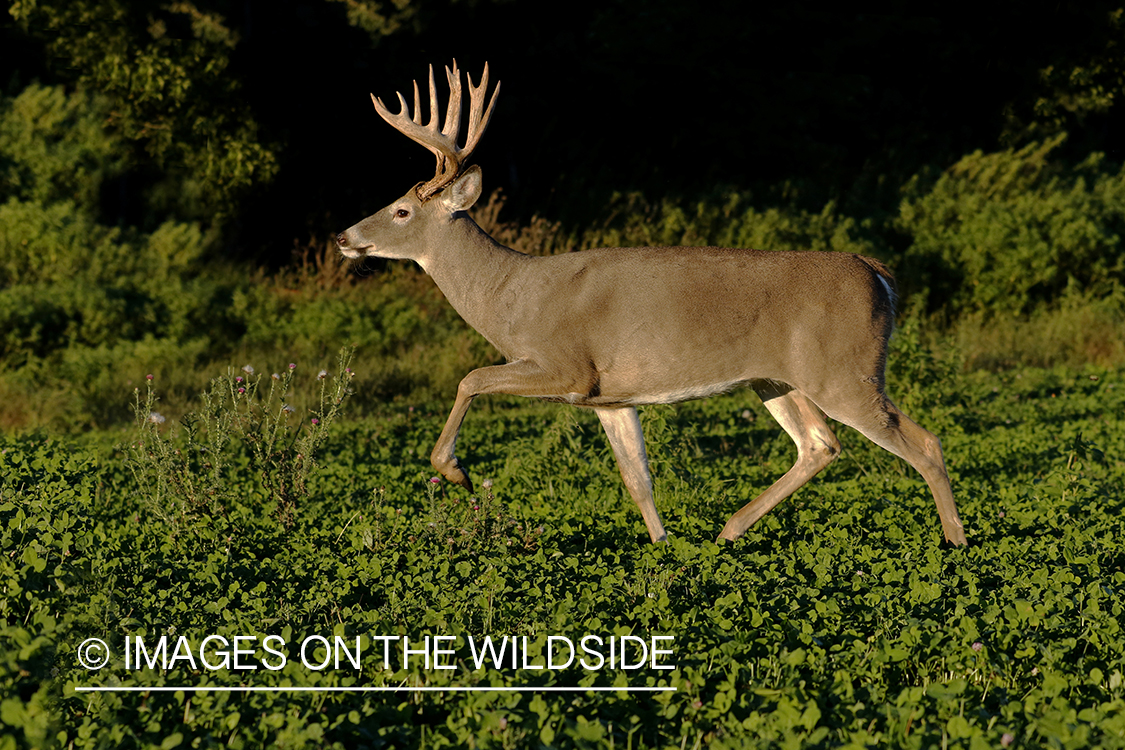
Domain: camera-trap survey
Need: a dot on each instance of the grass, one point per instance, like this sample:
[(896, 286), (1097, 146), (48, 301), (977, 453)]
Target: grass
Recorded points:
[(840, 619)]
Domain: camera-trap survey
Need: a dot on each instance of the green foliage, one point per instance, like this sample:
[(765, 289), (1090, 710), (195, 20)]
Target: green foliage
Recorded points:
[(1083, 327), (1079, 82), (49, 539), (1009, 232), (725, 221), (838, 620), (182, 483), (165, 71), (54, 147), (380, 19)]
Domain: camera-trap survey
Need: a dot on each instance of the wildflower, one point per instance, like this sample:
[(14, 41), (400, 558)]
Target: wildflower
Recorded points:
[(977, 645), (487, 484), (155, 417), (292, 366), (149, 376), (248, 369), (242, 390), (322, 375), (315, 421), (275, 376), (238, 379), (1007, 739), (747, 414), (435, 480), (288, 409)]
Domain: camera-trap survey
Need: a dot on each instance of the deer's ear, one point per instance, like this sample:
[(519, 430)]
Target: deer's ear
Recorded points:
[(463, 192)]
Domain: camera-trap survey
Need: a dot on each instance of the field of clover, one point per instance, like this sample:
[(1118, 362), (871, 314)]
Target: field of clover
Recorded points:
[(841, 619)]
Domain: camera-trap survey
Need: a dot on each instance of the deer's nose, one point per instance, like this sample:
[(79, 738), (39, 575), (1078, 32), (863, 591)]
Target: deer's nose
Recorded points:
[(341, 240)]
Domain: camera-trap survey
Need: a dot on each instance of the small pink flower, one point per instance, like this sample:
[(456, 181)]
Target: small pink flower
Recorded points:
[(238, 379), (435, 480), (977, 646), (148, 377), (476, 507), (242, 390), (1007, 739), (315, 420), (292, 366)]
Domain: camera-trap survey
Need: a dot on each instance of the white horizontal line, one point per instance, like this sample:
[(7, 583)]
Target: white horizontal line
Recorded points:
[(281, 689)]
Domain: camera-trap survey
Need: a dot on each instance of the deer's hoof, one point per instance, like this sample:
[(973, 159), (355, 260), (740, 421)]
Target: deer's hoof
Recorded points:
[(457, 474)]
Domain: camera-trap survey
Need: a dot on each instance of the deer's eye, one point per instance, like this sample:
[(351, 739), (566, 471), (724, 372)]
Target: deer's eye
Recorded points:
[(402, 213)]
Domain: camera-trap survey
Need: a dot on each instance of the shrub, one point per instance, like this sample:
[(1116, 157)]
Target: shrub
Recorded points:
[(193, 477), (1007, 232)]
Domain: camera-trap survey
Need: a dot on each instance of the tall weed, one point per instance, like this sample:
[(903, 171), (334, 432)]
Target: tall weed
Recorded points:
[(240, 421)]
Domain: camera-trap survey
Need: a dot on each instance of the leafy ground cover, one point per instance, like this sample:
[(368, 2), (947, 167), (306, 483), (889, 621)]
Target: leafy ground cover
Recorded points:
[(840, 620)]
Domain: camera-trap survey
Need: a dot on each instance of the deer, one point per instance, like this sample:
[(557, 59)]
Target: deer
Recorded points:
[(612, 329)]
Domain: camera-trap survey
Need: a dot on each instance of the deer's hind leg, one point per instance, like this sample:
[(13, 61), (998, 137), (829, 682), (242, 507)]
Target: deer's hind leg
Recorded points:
[(873, 414), (816, 448)]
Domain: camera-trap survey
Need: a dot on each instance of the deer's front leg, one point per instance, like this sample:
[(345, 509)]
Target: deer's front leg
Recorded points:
[(623, 428), (519, 378)]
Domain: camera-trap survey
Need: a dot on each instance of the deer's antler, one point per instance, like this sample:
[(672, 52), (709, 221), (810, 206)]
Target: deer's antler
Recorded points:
[(451, 158)]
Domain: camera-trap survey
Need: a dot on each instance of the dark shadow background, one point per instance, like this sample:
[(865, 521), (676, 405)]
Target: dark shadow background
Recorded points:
[(671, 99)]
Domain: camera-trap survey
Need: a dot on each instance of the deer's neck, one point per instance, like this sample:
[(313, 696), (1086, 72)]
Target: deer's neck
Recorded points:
[(472, 270)]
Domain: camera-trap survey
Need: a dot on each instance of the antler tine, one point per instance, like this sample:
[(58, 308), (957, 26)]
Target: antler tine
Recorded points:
[(453, 112), (441, 139), (478, 121), (433, 124)]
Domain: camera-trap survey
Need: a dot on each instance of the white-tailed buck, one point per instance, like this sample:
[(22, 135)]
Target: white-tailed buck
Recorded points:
[(613, 328)]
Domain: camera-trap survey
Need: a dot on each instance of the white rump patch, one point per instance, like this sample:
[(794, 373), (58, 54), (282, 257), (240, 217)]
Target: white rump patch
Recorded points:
[(890, 292)]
